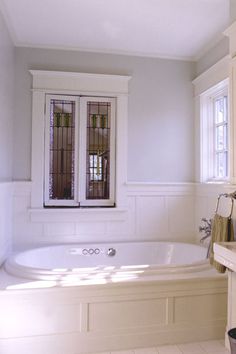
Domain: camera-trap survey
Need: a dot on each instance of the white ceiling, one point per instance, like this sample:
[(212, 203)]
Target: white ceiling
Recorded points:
[(180, 29)]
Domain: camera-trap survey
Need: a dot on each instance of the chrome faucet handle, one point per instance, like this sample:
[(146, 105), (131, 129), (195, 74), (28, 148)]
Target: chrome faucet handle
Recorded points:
[(206, 229), (207, 221), (204, 238), (111, 252)]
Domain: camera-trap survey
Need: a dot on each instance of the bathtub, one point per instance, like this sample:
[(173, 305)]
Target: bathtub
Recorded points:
[(91, 298), (107, 261)]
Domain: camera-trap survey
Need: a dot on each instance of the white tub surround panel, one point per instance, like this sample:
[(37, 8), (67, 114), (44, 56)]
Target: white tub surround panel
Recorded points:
[(100, 318), (5, 219), (159, 212), (163, 211), (49, 82)]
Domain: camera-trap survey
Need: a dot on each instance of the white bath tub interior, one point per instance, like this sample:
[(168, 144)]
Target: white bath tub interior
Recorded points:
[(106, 260)]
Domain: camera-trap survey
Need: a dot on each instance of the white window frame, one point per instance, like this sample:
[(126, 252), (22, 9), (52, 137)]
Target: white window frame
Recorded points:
[(207, 132), (78, 84), (82, 158)]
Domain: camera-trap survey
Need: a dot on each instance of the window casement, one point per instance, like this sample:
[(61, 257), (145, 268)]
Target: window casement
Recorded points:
[(79, 151), (215, 134), (79, 137)]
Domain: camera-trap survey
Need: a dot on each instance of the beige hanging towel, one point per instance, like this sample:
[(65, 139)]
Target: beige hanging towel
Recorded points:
[(222, 231)]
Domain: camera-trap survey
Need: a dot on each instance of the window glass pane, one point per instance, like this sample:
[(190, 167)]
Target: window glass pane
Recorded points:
[(220, 109), (62, 137), (98, 150), (221, 165), (220, 137), (95, 167)]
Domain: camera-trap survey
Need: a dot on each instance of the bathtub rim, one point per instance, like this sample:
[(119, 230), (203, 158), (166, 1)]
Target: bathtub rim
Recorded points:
[(34, 273)]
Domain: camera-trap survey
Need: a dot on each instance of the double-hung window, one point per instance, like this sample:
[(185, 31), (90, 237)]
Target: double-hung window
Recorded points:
[(79, 151), (215, 134)]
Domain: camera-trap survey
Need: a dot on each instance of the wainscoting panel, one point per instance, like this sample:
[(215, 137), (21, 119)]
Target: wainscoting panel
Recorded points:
[(161, 212), (206, 195)]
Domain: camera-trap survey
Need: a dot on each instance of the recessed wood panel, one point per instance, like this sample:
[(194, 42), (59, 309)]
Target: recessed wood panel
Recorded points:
[(127, 314), (32, 320), (200, 308)]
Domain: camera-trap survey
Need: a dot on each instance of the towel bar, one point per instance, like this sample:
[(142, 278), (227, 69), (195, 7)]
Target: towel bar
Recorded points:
[(232, 196)]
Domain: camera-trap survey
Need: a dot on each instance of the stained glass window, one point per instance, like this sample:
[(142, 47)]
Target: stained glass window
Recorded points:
[(79, 151)]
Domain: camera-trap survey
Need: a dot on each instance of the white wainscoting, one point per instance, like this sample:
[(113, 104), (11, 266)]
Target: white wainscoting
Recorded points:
[(154, 212), (163, 211), (206, 199), (170, 212), (5, 219)]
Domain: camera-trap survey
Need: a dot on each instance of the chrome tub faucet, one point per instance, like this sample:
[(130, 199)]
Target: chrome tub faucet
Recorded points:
[(206, 228)]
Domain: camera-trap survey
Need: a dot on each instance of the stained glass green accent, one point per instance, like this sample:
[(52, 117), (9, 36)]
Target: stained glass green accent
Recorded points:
[(66, 120), (62, 146)]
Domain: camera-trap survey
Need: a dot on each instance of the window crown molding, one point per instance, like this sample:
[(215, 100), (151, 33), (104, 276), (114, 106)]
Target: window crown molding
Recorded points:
[(79, 82)]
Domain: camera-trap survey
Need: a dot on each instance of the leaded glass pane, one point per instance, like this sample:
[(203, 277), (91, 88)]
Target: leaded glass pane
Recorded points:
[(98, 150), (62, 146)]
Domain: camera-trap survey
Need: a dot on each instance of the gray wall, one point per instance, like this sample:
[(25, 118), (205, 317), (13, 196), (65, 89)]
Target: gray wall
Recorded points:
[(160, 127), (213, 55), (232, 10), (6, 101), (6, 129)]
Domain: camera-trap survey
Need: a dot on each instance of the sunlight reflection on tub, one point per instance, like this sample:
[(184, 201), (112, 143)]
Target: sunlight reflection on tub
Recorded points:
[(33, 285), (135, 266), (85, 276)]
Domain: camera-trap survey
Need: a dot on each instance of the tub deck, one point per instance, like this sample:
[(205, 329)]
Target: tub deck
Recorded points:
[(66, 317)]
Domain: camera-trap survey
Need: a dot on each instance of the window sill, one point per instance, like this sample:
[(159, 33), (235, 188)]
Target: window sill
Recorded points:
[(217, 182), (78, 215)]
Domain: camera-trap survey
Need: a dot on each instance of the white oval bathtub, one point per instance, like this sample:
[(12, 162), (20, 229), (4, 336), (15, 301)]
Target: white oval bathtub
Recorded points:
[(103, 260)]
